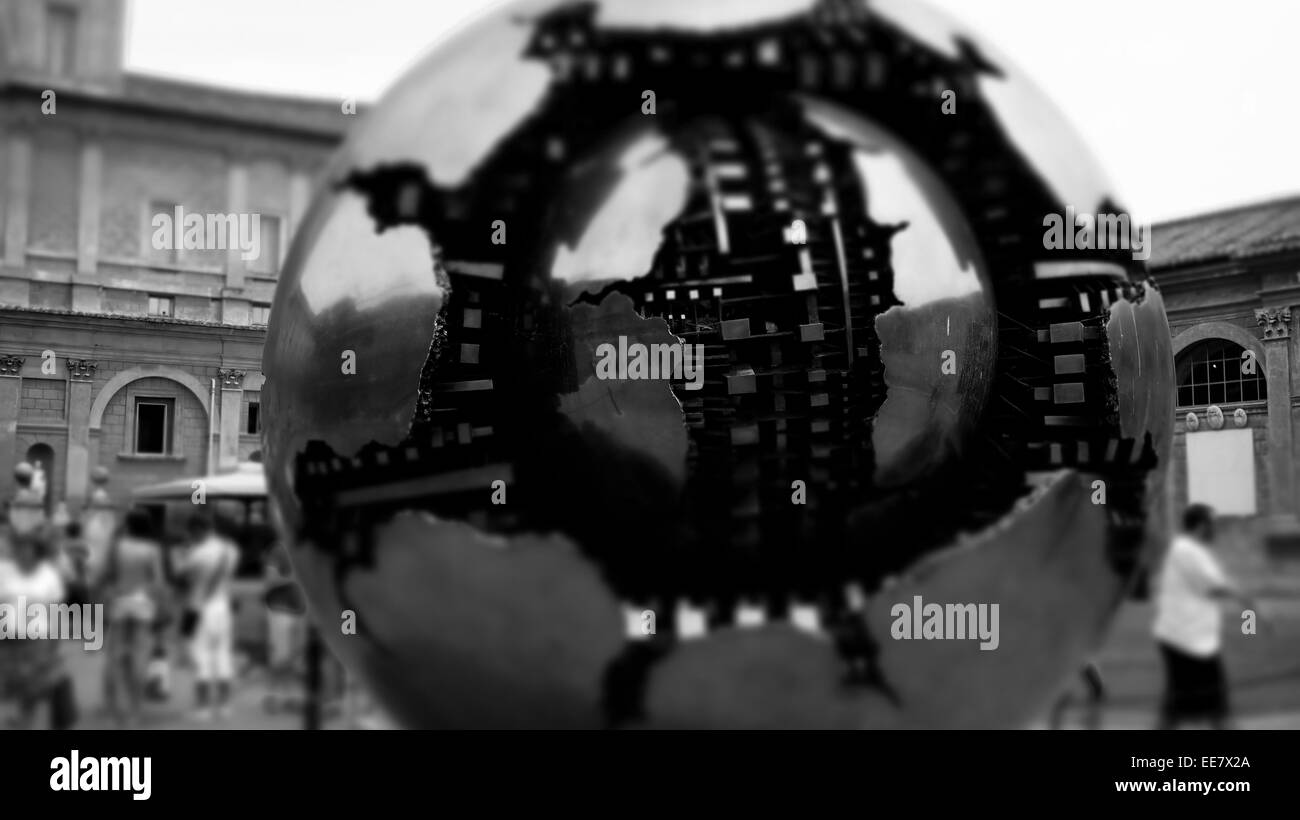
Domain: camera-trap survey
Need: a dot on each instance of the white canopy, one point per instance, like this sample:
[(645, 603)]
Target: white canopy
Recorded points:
[(246, 482)]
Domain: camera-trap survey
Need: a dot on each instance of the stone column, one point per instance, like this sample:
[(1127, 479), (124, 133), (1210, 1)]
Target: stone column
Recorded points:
[(236, 203), (81, 373), (1276, 324), (234, 303), (92, 165), (14, 286), (85, 284), (232, 395), (18, 195), (299, 199), (10, 403)]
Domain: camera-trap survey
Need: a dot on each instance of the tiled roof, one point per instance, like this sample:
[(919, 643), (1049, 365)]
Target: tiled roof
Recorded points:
[(296, 113), (1238, 233), (178, 98)]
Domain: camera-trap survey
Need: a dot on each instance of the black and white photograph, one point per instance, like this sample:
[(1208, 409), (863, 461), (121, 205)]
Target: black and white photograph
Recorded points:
[(922, 367)]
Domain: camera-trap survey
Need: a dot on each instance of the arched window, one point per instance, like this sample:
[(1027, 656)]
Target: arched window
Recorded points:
[(1217, 371)]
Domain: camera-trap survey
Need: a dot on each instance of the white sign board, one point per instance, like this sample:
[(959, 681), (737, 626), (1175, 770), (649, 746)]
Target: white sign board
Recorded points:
[(1221, 470)]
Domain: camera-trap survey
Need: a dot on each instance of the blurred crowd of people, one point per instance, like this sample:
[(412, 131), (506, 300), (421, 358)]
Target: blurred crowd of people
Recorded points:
[(162, 606)]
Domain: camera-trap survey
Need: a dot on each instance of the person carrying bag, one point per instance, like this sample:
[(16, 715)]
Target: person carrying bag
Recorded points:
[(193, 613)]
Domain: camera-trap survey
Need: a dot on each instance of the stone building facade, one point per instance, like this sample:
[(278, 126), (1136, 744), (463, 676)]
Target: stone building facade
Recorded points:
[(116, 352), (1230, 280)]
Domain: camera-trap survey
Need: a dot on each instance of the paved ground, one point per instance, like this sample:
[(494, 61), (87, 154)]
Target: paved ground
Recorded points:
[(1263, 669), (1143, 720), (248, 706)]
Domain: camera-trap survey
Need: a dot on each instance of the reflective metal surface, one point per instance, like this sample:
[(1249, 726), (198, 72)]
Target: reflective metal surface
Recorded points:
[(640, 358)]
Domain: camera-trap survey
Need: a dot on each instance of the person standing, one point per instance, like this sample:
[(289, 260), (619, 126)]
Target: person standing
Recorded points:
[(74, 563), (208, 621), (33, 668), (286, 633), (132, 583), (1188, 624)]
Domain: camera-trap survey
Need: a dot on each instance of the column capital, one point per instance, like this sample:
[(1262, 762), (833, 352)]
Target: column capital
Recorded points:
[(11, 365), (231, 379), (1275, 321), (82, 369)]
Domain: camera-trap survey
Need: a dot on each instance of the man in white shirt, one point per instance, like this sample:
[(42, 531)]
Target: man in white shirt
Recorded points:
[(1188, 624)]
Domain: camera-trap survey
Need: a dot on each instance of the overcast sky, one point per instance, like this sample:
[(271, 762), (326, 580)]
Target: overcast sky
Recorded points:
[(1190, 105)]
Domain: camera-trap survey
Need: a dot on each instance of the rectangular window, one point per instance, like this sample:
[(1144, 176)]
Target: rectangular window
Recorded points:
[(153, 426), (160, 306), (160, 242), (268, 259), (259, 314), (61, 40), (254, 418)]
